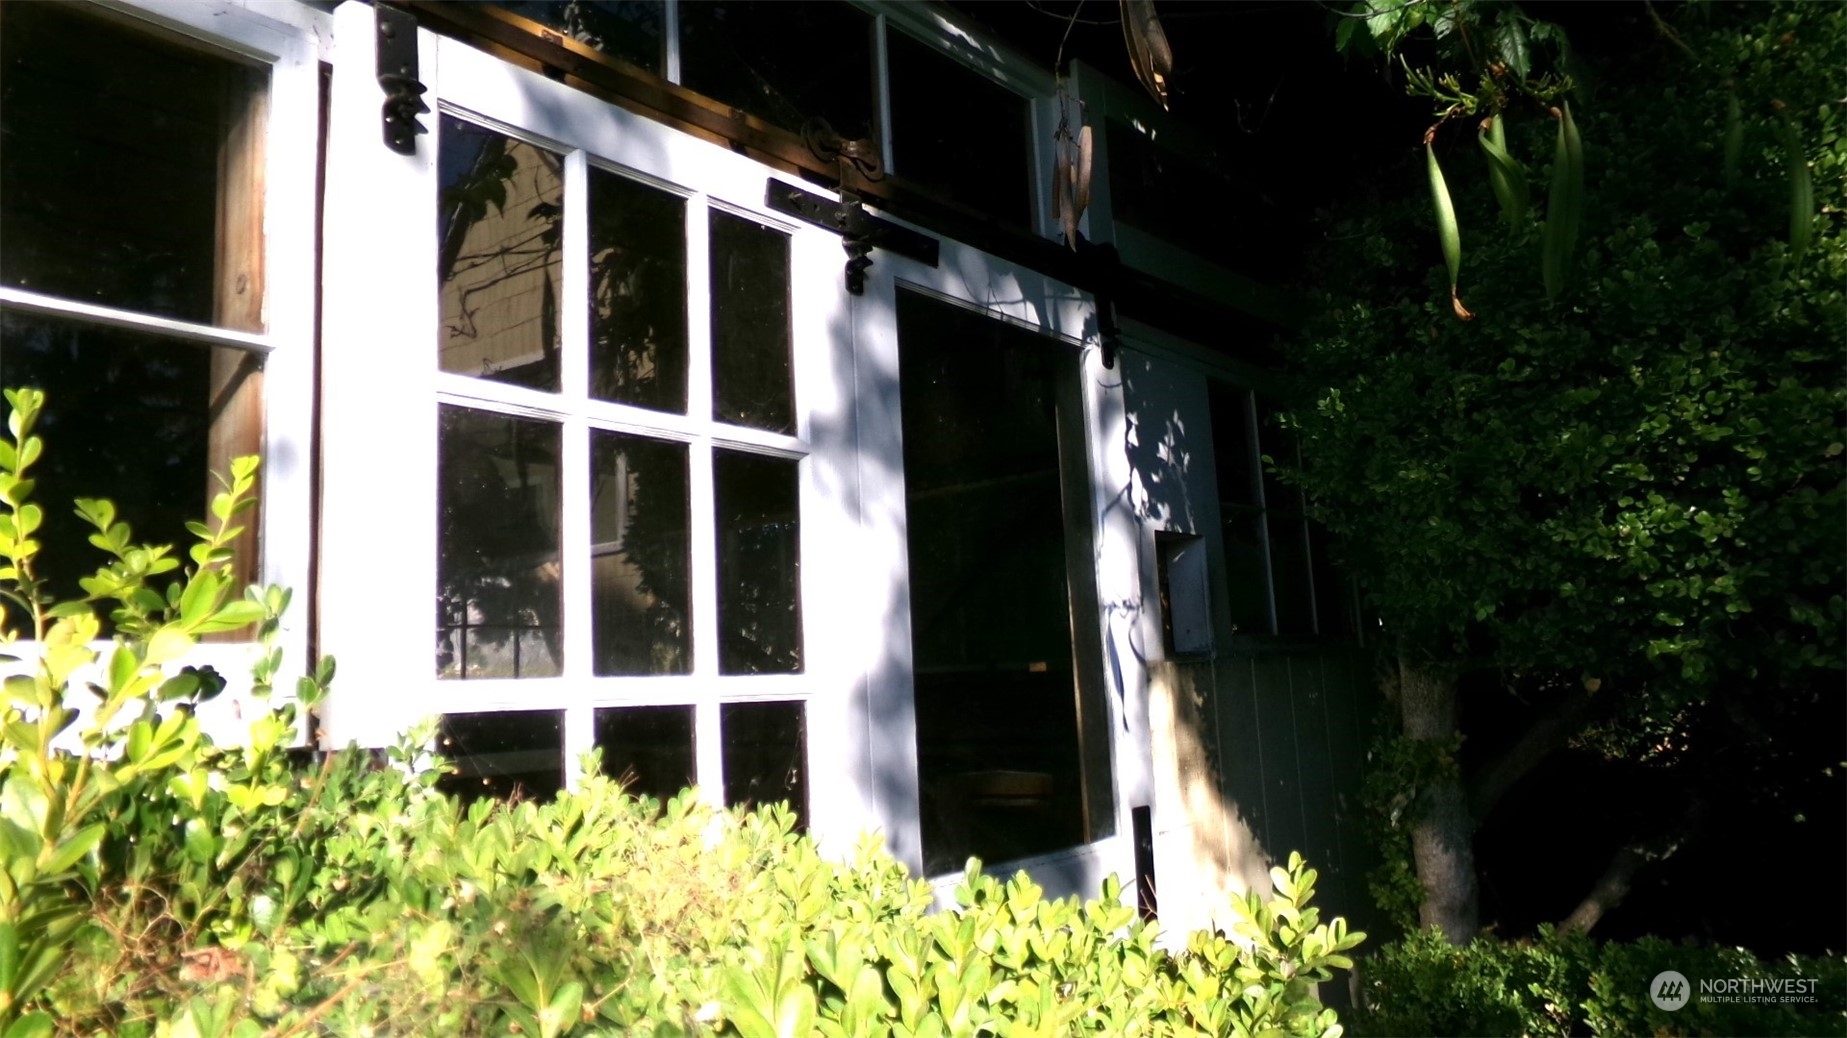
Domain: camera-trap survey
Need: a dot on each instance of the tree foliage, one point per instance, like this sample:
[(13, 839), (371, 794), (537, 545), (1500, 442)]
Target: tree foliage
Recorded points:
[(1641, 479), (1624, 474)]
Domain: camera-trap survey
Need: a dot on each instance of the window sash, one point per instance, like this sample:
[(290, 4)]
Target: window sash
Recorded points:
[(484, 91), (275, 174)]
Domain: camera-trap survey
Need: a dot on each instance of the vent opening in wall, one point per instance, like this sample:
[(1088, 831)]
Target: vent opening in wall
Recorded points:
[(1186, 618)]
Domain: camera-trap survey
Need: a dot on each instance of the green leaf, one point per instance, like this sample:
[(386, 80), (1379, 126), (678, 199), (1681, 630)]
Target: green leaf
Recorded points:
[(1801, 188), (563, 1011), (168, 643), (1564, 205), (1448, 234), (33, 1025), (1511, 44), (73, 848), (1505, 175), (1733, 147), (232, 616)]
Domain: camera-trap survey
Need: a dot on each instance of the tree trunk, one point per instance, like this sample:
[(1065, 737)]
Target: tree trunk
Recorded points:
[(1611, 887), (1442, 831), (1544, 737)]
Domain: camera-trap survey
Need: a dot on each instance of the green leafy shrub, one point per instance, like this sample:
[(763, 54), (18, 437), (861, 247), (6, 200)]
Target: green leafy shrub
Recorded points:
[(157, 884), (1567, 984)]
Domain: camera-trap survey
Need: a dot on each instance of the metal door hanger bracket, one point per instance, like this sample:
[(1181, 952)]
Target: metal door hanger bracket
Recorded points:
[(397, 73), (860, 231)]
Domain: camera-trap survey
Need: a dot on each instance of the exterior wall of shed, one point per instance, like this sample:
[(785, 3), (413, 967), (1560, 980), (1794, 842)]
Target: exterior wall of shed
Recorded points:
[(1258, 746), (1259, 754)]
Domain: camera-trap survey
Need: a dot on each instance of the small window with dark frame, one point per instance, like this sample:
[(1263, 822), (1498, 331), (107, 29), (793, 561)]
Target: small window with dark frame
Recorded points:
[(1278, 575)]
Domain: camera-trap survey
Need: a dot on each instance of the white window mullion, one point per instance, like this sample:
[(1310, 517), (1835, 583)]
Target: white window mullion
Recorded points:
[(708, 752), (882, 87), (579, 732), (698, 312), (670, 59), (167, 327), (574, 321), (574, 462), (703, 559)]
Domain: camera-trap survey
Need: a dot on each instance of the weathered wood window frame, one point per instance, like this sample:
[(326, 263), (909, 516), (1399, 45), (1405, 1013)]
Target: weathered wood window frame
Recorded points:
[(260, 329)]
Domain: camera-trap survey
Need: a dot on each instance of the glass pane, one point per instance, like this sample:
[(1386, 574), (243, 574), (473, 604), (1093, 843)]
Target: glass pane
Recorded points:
[(638, 530), (1280, 448), (500, 220), (782, 62), (1295, 608), (1191, 204), (648, 748), (111, 173), (128, 417), (1334, 597), (515, 753), (1234, 459), (958, 133), (750, 324), (1247, 577), (497, 551), (999, 753), (766, 755), (627, 29), (759, 564), (637, 293)]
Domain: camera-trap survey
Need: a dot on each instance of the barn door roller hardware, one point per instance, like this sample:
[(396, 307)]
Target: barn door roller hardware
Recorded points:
[(397, 73), (860, 232)]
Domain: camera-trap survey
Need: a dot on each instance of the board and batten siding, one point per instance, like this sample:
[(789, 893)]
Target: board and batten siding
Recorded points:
[(1261, 753)]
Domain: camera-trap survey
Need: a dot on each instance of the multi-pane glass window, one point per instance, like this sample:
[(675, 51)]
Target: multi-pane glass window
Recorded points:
[(131, 268), (1276, 565), (619, 504)]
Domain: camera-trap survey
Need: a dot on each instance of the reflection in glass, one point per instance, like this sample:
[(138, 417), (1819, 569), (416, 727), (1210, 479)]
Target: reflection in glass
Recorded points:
[(759, 564), (111, 173), (1234, 460), (1295, 605), (782, 62), (627, 29), (128, 416), (500, 219), (750, 324), (1334, 598), (514, 753), (1247, 571), (638, 555), (940, 143), (999, 754), (1191, 203), (766, 755), (637, 293), (497, 552), (649, 749)]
